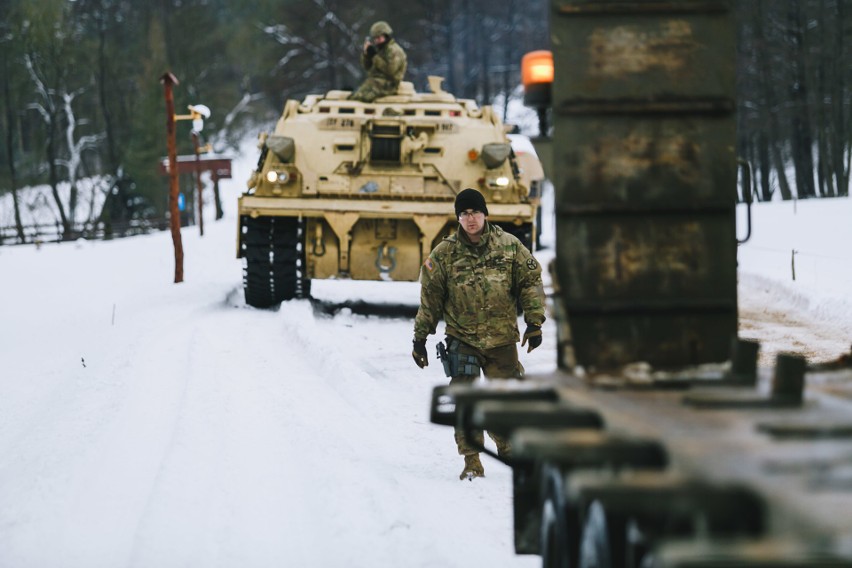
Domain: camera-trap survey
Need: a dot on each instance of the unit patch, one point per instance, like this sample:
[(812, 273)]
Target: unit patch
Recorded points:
[(532, 264), (428, 264)]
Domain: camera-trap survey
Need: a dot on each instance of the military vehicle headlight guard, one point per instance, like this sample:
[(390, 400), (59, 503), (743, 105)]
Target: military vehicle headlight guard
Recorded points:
[(283, 147), (495, 154)]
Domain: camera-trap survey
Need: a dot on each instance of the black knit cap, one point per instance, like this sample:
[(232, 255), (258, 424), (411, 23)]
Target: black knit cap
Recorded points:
[(470, 199)]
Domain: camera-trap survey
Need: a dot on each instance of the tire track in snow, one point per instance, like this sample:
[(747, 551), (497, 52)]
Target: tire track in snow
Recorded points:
[(390, 398)]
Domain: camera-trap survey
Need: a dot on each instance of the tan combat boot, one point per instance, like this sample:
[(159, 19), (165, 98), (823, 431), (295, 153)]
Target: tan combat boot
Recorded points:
[(472, 468)]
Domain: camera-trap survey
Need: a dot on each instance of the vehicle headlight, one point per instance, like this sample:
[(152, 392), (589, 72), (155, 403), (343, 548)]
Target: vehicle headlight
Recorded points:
[(277, 177), (501, 182)]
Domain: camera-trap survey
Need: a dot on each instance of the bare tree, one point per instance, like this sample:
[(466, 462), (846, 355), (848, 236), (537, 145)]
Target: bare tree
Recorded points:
[(801, 139), (794, 93), (48, 110), (7, 38), (313, 55), (75, 147)]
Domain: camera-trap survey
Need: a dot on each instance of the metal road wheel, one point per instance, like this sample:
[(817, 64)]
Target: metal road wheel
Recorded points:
[(554, 553), (604, 540), (560, 528)]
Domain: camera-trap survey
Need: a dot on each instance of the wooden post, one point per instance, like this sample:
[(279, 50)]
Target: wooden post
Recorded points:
[(168, 80), (198, 182), (793, 263), (218, 199)]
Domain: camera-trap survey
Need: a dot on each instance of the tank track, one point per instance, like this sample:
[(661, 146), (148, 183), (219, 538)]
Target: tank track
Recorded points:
[(274, 268)]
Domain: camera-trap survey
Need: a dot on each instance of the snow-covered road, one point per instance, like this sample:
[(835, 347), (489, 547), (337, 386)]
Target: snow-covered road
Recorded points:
[(144, 423)]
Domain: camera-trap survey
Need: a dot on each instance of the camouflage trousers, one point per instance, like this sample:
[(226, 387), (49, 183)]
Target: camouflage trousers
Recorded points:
[(371, 89), (498, 363)]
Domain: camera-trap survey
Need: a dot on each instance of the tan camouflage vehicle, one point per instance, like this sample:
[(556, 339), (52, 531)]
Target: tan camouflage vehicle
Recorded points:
[(364, 191)]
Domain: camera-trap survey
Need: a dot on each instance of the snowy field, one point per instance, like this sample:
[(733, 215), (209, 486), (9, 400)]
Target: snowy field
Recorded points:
[(795, 276), (144, 423)]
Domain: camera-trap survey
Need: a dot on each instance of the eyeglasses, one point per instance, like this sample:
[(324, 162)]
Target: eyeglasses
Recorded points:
[(466, 214)]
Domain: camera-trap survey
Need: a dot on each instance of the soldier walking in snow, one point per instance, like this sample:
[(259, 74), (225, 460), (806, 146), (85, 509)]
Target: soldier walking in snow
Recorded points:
[(475, 280), (384, 60)]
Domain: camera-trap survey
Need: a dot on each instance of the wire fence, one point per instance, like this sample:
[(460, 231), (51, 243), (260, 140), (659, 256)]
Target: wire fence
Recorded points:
[(54, 233), (813, 270)]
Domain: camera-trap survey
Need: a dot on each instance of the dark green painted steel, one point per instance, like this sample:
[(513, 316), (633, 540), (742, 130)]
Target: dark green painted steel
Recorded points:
[(656, 161), (645, 178), (647, 57), (648, 258)]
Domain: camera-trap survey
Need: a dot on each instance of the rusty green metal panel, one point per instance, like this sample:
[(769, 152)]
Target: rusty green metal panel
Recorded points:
[(665, 339), (650, 260), (646, 162), (667, 52), (645, 179)]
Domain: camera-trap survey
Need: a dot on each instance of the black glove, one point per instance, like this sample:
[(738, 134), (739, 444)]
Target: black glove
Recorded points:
[(371, 51), (533, 335), (419, 353)]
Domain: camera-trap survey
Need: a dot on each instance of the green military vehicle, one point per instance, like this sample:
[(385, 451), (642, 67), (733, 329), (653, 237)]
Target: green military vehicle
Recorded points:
[(364, 191)]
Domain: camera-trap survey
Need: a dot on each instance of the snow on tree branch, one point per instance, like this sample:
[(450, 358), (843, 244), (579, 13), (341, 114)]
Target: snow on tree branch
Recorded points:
[(331, 16), (282, 35), (218, 139), (46, 108)]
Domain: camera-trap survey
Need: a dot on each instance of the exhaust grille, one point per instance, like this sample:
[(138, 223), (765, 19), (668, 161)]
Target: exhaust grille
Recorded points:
[(385, 150)]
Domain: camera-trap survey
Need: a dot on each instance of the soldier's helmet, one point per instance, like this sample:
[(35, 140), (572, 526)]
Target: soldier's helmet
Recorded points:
[(380, 28)]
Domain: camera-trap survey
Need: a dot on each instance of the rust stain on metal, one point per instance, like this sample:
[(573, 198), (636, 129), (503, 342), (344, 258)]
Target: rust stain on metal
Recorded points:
[(612, 159), (672, 255), (624, 50)]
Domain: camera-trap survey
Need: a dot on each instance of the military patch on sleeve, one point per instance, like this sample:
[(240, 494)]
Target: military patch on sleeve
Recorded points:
[(532, 264), (428, 264)]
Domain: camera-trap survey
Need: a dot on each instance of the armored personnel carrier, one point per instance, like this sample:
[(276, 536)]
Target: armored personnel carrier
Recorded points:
[(346, 189)]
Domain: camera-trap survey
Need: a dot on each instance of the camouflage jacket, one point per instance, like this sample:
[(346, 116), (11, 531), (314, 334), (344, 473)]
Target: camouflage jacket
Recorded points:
[(387, 65), (476, 289)]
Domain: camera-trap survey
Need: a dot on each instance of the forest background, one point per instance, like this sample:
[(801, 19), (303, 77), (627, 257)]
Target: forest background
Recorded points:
[(80, 96)]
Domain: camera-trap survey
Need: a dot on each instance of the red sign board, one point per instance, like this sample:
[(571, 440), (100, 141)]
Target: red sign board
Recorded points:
[(220, 168)]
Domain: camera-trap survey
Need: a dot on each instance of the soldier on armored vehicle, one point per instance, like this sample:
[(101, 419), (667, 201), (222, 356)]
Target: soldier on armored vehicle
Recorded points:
[(385, 62)]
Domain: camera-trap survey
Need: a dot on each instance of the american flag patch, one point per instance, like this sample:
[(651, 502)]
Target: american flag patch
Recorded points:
[(428, 264)]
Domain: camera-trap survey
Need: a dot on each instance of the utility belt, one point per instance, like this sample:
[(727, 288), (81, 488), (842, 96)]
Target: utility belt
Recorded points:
[(457, 364)]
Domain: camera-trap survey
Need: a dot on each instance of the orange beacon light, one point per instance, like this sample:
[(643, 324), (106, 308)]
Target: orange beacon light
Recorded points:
[(537, 67), (537, 77)]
